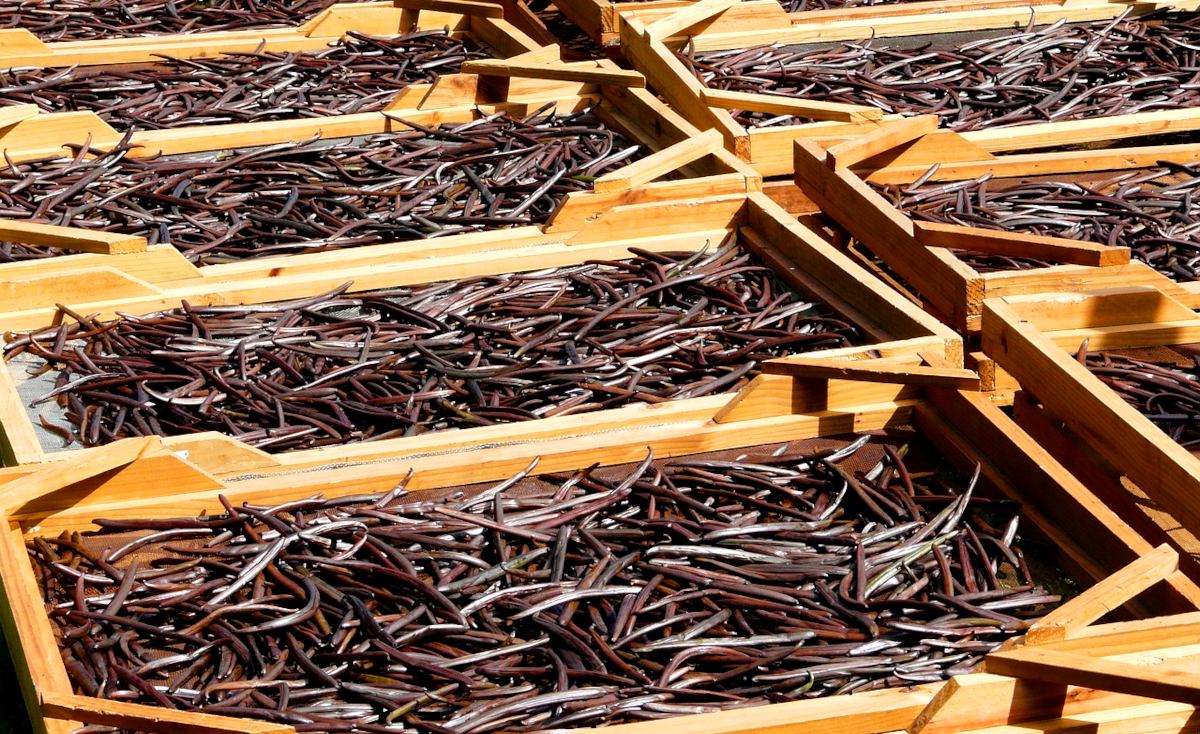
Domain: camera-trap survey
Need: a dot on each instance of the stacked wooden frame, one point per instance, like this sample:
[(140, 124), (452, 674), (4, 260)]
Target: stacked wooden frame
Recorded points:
[(891, 325), (1092, 429), (838, 181), (122, 480), (649, 41)]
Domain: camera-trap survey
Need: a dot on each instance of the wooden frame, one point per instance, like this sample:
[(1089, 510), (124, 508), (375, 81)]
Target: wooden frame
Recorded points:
[(120, 480), (1081, 419), (118, 265), (763, 22), (601, 19), (890, 324), (917, 251)]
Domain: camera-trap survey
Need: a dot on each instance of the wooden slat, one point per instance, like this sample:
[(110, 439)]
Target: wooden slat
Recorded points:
[(70, 238), (946, 282), (61, 474), (869, 371), (462, 7), (1099, 600), (779, 105), (143, 718), (1052, 666), (27, 632), (1078, 132), (1019, 244), (661, 163), (686, 17), (592, 72), (1162, 468), (16, 113), (678, 86), (1089, 536), (884, 138)]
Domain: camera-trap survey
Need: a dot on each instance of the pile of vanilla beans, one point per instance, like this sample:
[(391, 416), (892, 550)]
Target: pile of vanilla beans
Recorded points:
[(576, 599), (90, 20), (494, 172), (359, 73), (1149, 211), (1060, 72), (1166, 393), (494, 349)]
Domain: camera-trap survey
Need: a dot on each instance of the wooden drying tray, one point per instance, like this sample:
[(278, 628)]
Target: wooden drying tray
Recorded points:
[(889, 323), (124, 480), (1033, 338), (636, 113), (647, 41), (917, 252)]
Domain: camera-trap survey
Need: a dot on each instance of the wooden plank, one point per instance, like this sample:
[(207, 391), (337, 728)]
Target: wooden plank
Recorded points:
[(27, 631), (10, 116), (20, 42), (1020, 244), (686, 17), (940, 146), (475, 463), (898, 24), (882, 139), (145, 718), (780, 105), (376, 19), (843, 281), (31, 291), (1166, 471), (774, 396), (665, 161), (678, 86), (592, 72), (669, 217), (47, 133), (21, 445), (868, 371), (1138, 306), (949, 284), (62, 474), (1044, 164), (1099, 600), (1052, 666), (1083, 527), (578, 208), (509, 39), (1095, 472), (462, 7), (70, 238), (744, 16), (1078, 132)]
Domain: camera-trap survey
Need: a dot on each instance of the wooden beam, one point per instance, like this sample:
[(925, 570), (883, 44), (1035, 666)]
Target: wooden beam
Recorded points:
[(16, 113), (155, 719), (70, 238), (1018, 244), (1099, 600), (870, 371), (661, 163), (62, 474), (778, 105), (1162, 468), (885, 137), (1052, 666), (462, 7), (943, 280), (686, 17), (589, 72)]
